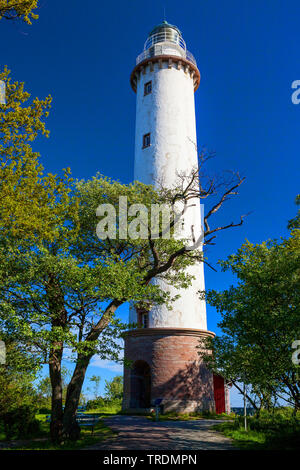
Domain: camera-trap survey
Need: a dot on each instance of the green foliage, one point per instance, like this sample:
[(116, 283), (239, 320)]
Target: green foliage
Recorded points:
[(95, 379), (19, 9), (96, 404), (173, 415), (54, 294), (128, 262), (44, 390), (17, 377), (260, 320), (60, 286), (61, 289), (18, 399), (32, 204), (276, 430), (20, 422), (112, 400), (39, 440), (114, 388)]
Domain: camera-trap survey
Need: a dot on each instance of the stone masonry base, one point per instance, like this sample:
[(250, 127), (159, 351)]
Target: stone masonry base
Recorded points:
[(166, 366)]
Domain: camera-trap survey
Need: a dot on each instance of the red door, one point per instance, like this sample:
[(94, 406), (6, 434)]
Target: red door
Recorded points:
[(219, 394)]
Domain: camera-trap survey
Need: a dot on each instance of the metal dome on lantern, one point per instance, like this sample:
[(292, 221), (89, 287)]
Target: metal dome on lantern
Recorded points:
[(165, 39)]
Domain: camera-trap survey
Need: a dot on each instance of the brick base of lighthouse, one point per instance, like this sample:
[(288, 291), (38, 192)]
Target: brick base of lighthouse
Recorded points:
[(165, 365)]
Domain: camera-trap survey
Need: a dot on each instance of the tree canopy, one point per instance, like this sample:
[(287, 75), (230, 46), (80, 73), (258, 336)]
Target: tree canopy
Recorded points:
[(114, 388), (60, 285), (31, 202), (260, 318), (19, 9)]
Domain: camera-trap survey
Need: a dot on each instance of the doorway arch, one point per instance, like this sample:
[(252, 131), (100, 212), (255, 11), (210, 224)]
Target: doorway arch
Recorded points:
[(140, 385)]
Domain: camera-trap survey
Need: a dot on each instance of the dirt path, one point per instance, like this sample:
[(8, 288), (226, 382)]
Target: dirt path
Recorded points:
[(139, 433)]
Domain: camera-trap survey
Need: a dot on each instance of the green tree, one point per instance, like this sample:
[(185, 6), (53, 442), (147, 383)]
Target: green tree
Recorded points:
[(45, 391), (18, 398), (260, 319), (32, 205), (61, 293), (114, 388), (95, 379), (31, 202), (18, 9)]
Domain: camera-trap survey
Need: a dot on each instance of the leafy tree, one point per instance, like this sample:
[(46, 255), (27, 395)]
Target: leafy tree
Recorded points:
[(95, 404), (95, 379), (63, 296), (18, 9), (32, 205), (260, 319), (18, 398), (61, 293), (114, 388), (29, 199), (45, 391)]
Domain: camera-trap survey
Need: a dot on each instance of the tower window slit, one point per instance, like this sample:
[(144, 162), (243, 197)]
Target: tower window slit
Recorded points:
[(146, 140), (148, 88), (145, 320)]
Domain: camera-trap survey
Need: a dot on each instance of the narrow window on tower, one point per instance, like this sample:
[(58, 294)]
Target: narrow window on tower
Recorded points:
[(144, 320), (147, 88), (142, 317), (146, 141)]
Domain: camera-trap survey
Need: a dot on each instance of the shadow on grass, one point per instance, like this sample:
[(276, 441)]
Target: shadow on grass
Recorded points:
[(42, 440), (284, 439)]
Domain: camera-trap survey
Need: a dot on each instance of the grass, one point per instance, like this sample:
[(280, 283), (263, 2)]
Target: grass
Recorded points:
[(41, 441), (246, 440), (173, 416), (109, 409), (272, 431)]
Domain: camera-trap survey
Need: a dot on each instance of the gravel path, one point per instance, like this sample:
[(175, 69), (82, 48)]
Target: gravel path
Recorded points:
[(139, 433)]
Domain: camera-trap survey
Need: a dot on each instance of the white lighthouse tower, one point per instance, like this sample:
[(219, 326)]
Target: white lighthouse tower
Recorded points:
[(166, 364), (165, 78)]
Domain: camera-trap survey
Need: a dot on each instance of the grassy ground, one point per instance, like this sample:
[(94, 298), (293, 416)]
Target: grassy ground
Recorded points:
[(109, 409), (41, 440), (250, 440), (269, 432), (172, 416)]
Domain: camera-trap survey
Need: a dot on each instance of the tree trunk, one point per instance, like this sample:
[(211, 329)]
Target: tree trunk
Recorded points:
[(59, 318), (56, 423), (71, 429)]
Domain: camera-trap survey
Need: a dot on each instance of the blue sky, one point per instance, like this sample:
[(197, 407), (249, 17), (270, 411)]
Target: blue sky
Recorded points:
[(248, 55)]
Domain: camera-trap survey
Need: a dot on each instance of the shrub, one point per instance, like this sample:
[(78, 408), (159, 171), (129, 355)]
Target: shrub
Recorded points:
[(275, 420), (45, 411), (98, 402), (20, 422), (280, 428)]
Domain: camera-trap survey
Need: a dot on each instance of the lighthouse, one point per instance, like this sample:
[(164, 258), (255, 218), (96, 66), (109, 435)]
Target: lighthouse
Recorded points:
[(163, 350)]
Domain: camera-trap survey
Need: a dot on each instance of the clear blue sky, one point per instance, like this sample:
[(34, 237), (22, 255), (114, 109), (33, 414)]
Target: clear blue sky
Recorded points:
[(247, 51)]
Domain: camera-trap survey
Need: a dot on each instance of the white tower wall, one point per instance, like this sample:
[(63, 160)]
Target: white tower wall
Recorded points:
[(168, 114)]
